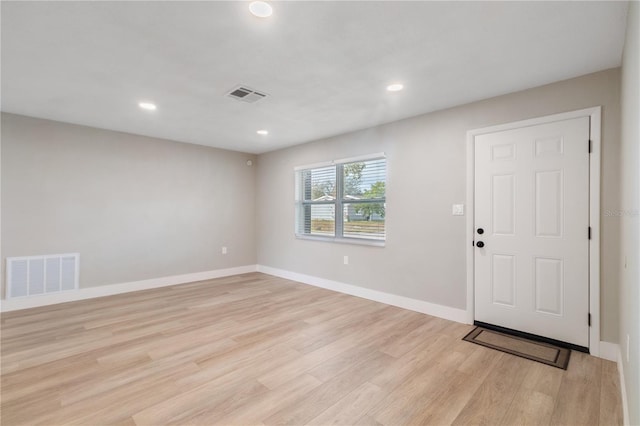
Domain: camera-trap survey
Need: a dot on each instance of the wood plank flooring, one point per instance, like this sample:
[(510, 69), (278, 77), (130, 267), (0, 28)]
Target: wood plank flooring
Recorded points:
[(258, 350)]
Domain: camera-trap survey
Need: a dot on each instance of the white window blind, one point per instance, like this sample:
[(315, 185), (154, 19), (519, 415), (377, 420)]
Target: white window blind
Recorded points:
[(346, 200)]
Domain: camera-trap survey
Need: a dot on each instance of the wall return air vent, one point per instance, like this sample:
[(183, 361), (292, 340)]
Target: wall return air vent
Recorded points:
[(35, 275), (246, 94)]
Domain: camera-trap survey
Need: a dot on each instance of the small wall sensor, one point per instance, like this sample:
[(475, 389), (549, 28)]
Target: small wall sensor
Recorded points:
[(249, 163)]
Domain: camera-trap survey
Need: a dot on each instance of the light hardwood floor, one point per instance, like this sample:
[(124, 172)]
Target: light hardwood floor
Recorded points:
[(255, 349)]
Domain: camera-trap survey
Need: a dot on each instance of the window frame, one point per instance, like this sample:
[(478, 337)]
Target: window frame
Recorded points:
[(338, 203)]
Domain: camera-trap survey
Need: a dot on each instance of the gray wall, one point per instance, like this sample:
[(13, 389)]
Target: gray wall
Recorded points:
[(133, 207), (629, 220), (138, 208), (424, 257)]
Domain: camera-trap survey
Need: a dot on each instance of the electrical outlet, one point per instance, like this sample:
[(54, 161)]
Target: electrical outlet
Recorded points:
[(346, 260), (224, 250), (628, 346), (457, 209)]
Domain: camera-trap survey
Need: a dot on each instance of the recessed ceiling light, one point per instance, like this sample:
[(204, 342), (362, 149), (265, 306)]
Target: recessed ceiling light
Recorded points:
[(262, 132), (396, 87), (261, 9), (148, 106)]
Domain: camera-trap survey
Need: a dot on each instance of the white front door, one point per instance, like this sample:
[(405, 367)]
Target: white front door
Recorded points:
[(531, 254)]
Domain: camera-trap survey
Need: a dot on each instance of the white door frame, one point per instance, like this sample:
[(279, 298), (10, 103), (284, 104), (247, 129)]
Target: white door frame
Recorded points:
[(594, 115)]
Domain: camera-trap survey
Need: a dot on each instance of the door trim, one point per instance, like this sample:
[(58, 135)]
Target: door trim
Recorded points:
[(594, 115)]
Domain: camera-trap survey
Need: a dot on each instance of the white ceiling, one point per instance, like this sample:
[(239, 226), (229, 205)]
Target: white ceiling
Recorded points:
[(325, 65)]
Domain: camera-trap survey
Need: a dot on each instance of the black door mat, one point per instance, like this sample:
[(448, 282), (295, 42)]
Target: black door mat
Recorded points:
[(530, 349)]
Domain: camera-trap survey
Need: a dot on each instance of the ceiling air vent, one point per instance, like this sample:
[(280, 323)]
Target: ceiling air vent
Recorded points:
[(245, 94)]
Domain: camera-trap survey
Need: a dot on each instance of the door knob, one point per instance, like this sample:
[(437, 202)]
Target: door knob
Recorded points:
[(480, 231), (479, 244)]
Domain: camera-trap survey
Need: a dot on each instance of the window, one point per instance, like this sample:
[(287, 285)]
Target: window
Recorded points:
[(355, 190)]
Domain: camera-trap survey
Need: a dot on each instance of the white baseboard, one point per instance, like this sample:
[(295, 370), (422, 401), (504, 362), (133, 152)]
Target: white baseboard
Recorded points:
[(446, 312), (612, 352), (623, 389), (609, 351), (7, 305)]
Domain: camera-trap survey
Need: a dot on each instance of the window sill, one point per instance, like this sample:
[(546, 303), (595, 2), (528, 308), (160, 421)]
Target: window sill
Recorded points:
[(343, 240)]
